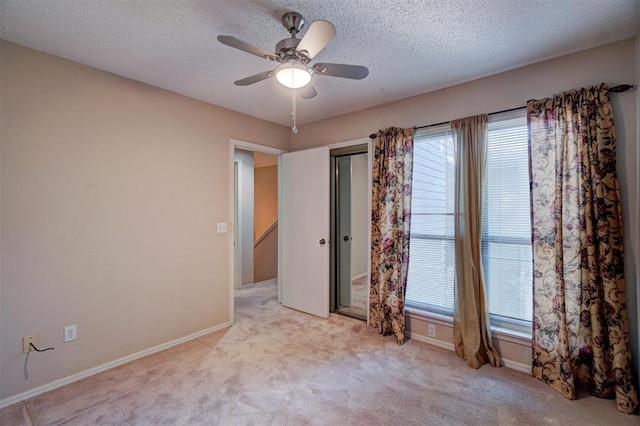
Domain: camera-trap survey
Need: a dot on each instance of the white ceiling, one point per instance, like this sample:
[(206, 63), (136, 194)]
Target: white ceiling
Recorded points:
[(410, 46)]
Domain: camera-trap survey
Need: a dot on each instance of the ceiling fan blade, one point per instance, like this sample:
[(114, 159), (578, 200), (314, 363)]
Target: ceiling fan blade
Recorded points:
[(355, 72), (254, 78), (246, 47), (307, 92), (317, 37)]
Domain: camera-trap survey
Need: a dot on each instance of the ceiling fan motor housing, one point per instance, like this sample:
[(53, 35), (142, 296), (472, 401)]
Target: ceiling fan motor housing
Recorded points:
[(286, 51)]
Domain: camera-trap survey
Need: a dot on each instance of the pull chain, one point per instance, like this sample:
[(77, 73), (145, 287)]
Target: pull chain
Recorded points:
[(294, 129)]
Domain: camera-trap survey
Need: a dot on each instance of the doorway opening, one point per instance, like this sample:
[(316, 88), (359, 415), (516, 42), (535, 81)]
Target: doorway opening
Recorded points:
[(349, 229), (255, 217), (254, 211)]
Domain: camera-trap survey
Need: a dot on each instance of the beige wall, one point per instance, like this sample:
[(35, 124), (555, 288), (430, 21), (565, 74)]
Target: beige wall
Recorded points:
[(265, 259), (266, 198), (110, 191), (245, 232), (614, 63), (265, 265)]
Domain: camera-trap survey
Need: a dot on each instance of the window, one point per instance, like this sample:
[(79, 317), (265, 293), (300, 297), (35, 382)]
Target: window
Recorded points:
[(506, 239), (506, 248), (432, 253)]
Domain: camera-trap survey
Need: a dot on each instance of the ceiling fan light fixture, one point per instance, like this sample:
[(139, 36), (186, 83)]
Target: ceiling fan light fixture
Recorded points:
[(293, 75)]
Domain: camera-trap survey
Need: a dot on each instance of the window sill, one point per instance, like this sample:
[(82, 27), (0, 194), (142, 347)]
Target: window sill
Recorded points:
[(511, 336), (421, 314), (500, 333)]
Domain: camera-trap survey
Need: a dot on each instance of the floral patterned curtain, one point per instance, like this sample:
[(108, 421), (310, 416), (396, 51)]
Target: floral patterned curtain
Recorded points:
[(580, 334), (390, 223), (471, 331)]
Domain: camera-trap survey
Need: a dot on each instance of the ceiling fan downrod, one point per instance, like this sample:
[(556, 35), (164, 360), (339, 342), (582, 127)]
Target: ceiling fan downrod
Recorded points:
[(293, 22), (294, 129)]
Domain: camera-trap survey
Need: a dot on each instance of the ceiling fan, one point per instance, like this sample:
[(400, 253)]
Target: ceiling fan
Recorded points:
[(294, 55)]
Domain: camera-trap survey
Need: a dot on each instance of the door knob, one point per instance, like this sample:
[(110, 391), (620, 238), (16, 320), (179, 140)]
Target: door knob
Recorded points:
[(346, 238), (322, 242)]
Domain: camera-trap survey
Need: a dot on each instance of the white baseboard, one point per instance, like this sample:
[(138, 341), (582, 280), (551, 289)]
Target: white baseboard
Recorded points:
[(523, 368), (104, 367)]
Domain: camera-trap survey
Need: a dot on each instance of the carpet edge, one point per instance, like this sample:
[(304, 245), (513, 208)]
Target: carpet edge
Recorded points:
[(107, 366)]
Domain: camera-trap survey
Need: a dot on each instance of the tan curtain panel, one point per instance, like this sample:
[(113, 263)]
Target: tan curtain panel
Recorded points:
[(471, 332), (580, 333), (390, 224)]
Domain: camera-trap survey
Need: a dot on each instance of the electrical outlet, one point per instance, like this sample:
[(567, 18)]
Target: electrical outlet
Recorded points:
[(27, 341), (432, 330), (70, 333)]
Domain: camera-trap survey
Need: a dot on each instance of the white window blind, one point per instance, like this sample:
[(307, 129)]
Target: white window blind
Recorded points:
[(506, 221), (432, 254), (506, 240)]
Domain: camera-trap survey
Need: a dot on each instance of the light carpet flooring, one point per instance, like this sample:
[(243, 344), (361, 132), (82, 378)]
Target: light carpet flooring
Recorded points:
[(277, 366)]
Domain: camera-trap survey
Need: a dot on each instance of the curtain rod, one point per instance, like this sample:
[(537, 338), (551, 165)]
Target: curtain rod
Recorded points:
[(615, 89)]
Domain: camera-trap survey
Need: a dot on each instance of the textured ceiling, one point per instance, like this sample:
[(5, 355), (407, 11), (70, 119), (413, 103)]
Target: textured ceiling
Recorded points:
[(410, 47)]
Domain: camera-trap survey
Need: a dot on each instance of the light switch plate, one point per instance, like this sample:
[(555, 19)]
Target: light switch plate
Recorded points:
[(222, 227)]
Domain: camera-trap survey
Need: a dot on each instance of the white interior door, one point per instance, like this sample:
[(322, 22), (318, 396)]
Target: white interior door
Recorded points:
[(304, 226)]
